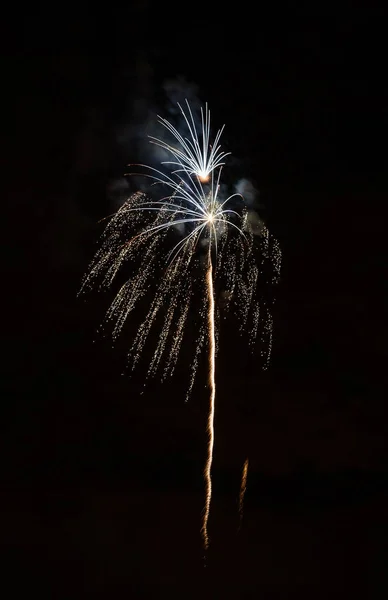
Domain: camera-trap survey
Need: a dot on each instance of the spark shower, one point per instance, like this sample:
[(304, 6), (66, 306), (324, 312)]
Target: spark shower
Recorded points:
[(185, 238)]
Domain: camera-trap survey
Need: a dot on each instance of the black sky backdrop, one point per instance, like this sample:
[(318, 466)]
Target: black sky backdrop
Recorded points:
[(102, 487)]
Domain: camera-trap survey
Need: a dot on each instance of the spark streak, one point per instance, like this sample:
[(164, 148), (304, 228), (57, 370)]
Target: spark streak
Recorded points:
[(212, 386)]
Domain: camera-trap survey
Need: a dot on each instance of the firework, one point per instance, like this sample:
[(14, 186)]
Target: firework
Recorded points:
[(177, 244), (193, 154)]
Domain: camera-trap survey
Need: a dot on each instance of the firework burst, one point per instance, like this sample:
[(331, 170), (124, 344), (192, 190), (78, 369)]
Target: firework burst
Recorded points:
[(193, 154), (176, 244)]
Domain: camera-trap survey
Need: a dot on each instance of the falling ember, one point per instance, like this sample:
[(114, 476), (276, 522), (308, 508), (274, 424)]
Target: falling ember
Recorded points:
[(212, 386), (243, 488)]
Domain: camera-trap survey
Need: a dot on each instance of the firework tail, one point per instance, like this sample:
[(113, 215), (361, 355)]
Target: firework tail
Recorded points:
[(243, 488), (212, 387)]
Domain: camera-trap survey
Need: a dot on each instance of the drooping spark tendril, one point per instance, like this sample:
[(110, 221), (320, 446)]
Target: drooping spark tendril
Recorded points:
[(212, 386), (243, 488), (158, 245)]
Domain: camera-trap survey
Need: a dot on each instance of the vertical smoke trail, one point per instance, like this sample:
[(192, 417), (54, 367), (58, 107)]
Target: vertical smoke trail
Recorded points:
[(212, 385), (243, 488)]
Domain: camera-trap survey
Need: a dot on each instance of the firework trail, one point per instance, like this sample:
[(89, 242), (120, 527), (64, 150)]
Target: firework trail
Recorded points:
[(212, 386), (161, 243), (243, 488)]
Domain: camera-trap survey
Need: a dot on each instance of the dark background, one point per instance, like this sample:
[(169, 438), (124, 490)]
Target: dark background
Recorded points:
[(101, 487)]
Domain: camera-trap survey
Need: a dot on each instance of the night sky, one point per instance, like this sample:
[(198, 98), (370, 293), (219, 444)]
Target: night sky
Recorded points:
[(101, 486)]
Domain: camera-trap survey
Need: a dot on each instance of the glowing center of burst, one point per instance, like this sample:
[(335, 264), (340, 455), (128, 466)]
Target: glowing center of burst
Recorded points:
[(210, 218), (203, 176)]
